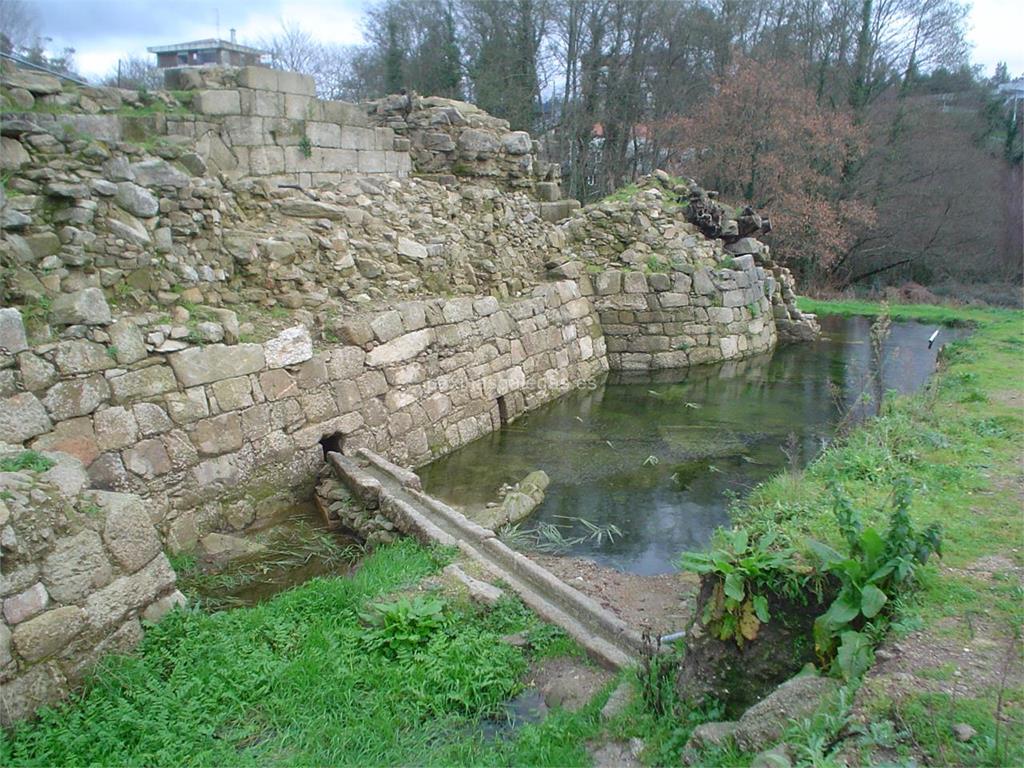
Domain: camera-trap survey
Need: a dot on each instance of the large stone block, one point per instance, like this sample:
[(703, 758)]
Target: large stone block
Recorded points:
[(246, 131), (23, 417), (128, 531), (26, 604), (295, 83), (356, 137), (76, 397), (298, 107), (136, 200), (148, 459), (218, 434), (85, 307), (290, 347), (372, 161), (324, 134), (344, 113), (12, 331), (111, 605), (81, 356), (126, 341), (219, 102), (205, 365), (144, 383), (44, 635), (266, 161), (76, 567), (401, 349), (262, 78), (115, 428)]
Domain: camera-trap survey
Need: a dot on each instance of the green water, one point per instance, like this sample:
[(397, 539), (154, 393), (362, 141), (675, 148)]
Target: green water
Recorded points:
[(660, 455)]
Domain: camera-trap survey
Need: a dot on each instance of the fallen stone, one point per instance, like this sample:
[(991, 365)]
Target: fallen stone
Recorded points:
[(763, 724), (479, 591), (964, 732), (223, 547)]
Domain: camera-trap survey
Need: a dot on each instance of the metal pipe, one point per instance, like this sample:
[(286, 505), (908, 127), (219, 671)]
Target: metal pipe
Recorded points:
[(672, 637), (932, 338)]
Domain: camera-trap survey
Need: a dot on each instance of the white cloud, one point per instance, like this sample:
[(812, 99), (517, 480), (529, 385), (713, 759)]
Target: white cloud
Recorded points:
[(996, 33)]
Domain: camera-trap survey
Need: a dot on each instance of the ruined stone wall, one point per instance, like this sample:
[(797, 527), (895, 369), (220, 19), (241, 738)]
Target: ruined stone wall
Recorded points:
[(238, 122), (220, 435), (677, 319), (80, 568)]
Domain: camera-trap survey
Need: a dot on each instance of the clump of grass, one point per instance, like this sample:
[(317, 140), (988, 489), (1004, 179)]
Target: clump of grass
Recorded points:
[(32, 461)]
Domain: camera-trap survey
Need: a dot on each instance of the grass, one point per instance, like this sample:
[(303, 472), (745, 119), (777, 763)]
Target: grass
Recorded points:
[(959, 442), (30, 460), (294, 681)]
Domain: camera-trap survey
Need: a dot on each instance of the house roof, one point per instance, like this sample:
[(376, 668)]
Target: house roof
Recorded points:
[(204, 45)]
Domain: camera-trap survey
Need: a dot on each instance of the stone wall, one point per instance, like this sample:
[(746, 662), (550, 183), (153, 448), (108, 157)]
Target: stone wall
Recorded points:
[(80, 568), (219, 435), (238, 122), (677, 319)]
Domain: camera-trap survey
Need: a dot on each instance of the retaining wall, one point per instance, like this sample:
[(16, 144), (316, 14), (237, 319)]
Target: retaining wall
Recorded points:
[(219, 436), (80, 569)]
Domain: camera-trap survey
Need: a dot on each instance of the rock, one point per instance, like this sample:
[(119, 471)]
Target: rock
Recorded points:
[(479, 591), (618, 702), (26, 604), (66, 190), (137, 200), (147, 459), (291, 346), (475, 141), (158, 173), (776, 757), (36, 83), (305, 208), (224, 547), (109, 606), (5, 646), (517, 143), (85, 307), (127, 227), (128, 531), (403, 348), (763, 724), (126, 341), (75, 567), (12, 155), (12, 332), (708, 735), (152, 419), (22, 99), (115, 428), (205, 365), (745, 245), (44, 635), (19, 698), (76, 397), (36, 373), (146, 382), (163, 606), (964, 732), (518, 504), (81, 356), (218, 435), (410, 249)]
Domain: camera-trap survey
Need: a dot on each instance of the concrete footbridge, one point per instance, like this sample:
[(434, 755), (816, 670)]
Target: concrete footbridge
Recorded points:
[(398, 494)]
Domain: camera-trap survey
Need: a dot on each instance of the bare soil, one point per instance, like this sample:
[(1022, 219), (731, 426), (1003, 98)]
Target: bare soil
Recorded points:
[(661, 603)]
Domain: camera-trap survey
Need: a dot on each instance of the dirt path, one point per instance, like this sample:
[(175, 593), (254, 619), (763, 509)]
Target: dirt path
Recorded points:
[(660, 602)]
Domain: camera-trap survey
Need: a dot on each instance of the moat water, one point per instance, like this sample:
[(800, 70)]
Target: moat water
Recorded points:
[(660, 456)]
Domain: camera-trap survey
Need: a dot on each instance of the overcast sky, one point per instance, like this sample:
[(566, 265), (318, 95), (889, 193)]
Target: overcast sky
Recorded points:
[(101, 31)]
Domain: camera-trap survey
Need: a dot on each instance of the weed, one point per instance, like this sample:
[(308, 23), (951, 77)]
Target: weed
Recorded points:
[(745, 572), (305, 146), (32, 461)]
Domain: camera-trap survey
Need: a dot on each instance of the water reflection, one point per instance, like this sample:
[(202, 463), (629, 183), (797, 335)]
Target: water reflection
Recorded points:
[(658, 455)]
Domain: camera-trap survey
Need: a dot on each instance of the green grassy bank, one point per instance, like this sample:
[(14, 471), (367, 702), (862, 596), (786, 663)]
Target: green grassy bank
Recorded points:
[(316, 676)]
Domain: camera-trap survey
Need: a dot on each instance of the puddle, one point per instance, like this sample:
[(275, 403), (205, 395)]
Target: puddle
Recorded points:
[(294, 548), (659, 456)]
